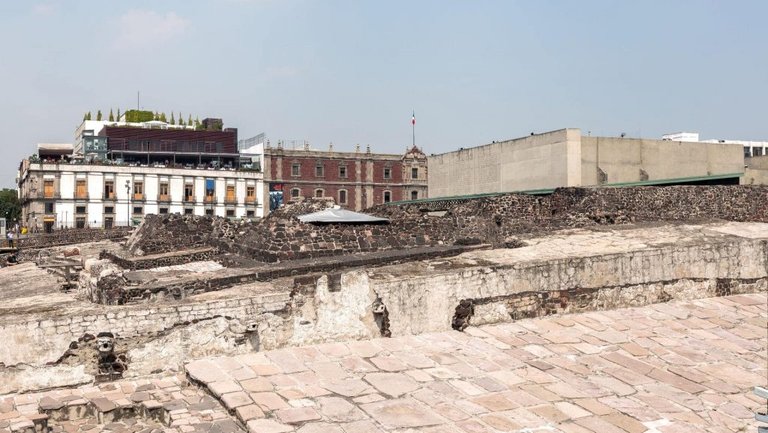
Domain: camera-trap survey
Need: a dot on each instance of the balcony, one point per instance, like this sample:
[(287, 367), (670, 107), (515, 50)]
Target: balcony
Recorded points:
[(138, 196), (210, 199), (81, 196), (230, 200), (189, 199), (163, 197), (110, 196)]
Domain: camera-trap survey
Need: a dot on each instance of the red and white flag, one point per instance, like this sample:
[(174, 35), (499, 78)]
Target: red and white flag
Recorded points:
[(413, 118)]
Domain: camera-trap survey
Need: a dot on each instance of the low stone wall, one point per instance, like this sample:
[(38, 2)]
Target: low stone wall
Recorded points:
[(163, 259), (73, 236)]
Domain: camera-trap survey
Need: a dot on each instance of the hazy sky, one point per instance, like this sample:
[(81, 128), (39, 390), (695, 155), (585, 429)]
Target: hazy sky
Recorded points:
[(351, 71)]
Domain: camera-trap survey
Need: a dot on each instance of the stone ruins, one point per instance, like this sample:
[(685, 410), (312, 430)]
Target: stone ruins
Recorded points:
[(192, 324)]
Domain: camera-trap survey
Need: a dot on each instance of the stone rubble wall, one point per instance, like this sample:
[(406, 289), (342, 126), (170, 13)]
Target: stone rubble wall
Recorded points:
[(495, 220), (73, 236), (505, 292)]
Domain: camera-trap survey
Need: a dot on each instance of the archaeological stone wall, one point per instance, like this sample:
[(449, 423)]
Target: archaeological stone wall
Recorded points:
[(73, 236), (495, 220)]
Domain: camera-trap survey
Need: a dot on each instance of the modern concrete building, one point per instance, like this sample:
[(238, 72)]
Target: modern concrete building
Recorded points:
[(118, 172), (355, 180), (567, 158)]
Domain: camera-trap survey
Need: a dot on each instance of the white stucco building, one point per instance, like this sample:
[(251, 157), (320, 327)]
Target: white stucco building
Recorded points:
[(56, 195)]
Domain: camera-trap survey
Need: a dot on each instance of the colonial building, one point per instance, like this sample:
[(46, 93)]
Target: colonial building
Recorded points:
[(118, 172), (355, 180)]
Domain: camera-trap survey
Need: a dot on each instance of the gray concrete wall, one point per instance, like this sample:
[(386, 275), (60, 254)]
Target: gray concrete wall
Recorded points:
[(634, 160), (756, 171), (544, 160), (565, 158)]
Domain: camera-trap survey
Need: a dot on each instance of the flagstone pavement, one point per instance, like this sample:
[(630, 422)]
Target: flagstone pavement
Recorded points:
[(673, 367)]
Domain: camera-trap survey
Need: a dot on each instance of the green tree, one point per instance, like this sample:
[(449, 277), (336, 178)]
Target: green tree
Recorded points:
[(98, 115), (118, 114), (173, 121), (85, 117), (181, 119), (111, 116), (88, 116), (189, 120), (197, 123), (157, 116), (10, 208), (163, 118)]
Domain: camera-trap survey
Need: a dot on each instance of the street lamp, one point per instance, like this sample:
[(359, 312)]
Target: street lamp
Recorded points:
[(128, 202)]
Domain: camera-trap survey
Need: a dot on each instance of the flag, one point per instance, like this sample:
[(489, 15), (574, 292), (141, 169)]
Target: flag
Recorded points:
[(413, 118)]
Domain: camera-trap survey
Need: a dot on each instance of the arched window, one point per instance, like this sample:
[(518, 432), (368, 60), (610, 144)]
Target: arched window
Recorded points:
[(319, 193)]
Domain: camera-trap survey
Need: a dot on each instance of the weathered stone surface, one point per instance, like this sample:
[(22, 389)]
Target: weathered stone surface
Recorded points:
[(402, 413)]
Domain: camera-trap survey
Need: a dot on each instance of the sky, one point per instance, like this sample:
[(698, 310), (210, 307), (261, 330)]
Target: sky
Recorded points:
[(353, 71)]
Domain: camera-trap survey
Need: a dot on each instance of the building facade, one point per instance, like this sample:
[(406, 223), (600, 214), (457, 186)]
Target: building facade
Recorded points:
[(55, 195), (118, 172), (355, 180), (567, 158)]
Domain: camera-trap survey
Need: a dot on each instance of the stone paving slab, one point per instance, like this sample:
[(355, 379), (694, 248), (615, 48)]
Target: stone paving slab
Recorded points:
[(165, 405), (675, 367)]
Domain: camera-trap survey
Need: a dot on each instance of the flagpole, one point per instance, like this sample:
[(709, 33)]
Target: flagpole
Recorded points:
[(413, 127)]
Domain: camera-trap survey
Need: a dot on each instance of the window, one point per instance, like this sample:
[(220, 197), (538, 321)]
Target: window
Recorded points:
[(49, 208), (414, 173), (80, 222), (80, 209), (138, 210), (319, 193), (109, 209), (48, 189), (295, 193), (250, 213), (163, 211), (757, 151), (343, 196), (188, 211), (230, 193), (209, 212), (81, 190), (138, 191), (319, 170), (387, 196), (210, 185), (230, 212), (189, 192), (343, 171), (296, 170), (109, 189), (163, 191), (414, 195), (387, 173), (250, 194), (108, 222)]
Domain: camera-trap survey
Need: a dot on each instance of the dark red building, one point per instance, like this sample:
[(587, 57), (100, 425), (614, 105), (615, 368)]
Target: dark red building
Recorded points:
[(182, 146), (355, 180)]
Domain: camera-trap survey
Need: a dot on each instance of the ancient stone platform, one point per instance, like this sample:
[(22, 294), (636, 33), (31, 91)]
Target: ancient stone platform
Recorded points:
[(672, 367)]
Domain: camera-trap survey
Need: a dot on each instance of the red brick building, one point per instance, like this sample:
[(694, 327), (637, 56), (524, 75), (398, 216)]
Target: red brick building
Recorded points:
[(355, 180)]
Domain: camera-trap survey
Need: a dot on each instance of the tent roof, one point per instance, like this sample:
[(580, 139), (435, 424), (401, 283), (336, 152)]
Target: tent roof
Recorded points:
[(340, 216)]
